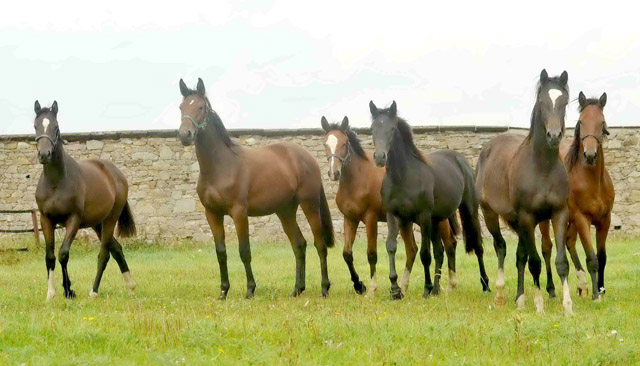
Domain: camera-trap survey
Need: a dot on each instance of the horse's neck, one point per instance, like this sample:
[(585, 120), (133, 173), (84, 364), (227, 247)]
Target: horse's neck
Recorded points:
[(55, 171), (398, 160), (214, 156), (352, 168)]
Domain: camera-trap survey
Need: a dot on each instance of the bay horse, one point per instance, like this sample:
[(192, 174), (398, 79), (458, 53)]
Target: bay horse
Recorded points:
[(90, 193), (425, 191), (591, 196), (242, 182), (524, 181), (359, 199)]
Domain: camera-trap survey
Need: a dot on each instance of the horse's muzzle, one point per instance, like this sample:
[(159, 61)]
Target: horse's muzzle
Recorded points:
[(44, 157), (554, 138), (186, 137), (380, 159), (590, 157)]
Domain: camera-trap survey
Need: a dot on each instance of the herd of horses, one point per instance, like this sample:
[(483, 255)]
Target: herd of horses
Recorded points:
[(526, 181)]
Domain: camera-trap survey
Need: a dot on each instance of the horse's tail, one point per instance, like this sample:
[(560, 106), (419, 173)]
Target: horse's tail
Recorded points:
[(126, 225), (325, 219), (468, 210)]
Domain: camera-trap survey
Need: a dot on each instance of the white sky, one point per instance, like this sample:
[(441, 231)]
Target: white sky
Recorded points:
[(115, 65)]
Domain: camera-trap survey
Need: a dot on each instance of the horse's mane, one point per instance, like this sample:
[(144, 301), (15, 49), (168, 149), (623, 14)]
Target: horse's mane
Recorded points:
[(214, 119), (573, 155), (534, 115), (354, 141), (404, 131)]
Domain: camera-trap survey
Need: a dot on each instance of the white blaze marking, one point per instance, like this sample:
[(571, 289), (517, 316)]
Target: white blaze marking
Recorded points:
[(52, 289), (192, 100), (553, 95), (332, 142), (45, 124)]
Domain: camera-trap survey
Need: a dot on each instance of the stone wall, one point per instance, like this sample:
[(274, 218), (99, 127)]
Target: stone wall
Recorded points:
[(162, 175)]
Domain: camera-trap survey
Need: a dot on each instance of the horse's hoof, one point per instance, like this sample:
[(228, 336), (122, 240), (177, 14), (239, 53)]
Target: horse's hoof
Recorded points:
[(325, 293), (596, 297), (500, 302), (92, 294), (551, 292), (70, 294), (435, 291), (583, 292), (223, 296), (360, 287), (427, 292), (297, 292), (50, 295), (602, 291), (250, 294), (397, 295)]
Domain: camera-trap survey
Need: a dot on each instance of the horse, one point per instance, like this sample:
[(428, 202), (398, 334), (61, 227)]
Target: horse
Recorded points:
[(524, 181), (359, 200), (242, 182), (425, 191), (591, 196), (79, 194)]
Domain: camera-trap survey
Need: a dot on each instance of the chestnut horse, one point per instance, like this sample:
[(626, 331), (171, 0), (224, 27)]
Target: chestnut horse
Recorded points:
[(359, 200), (87, 194), (524, 181), (591, 196), (242, 182), (426, 191)]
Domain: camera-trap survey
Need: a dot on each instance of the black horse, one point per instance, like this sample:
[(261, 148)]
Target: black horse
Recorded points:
[(425, 191)]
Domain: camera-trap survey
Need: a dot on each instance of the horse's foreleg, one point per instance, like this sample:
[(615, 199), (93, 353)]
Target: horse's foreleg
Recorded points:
[(602, 230), (547, 245), (438, 253), (535, 268), (572, 236), (106, 236), (559, 222), (493, 225), (299, 245), (241, 221), (48, 230), (311, 209), (116, 252), (216, 222), (392, 245), (371, 220), (411, 248), (72, 225), (350, 229)]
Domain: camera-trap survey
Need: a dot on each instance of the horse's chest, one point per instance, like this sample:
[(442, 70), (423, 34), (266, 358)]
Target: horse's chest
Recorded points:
[(402, 205)]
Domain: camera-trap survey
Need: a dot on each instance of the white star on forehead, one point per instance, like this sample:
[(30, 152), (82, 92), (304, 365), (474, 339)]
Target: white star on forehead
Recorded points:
[(45, 124), (553, 95), (192, 100)]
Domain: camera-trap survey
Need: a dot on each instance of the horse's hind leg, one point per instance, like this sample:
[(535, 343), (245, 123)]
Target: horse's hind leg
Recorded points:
[(371, 220), (535, 268), (438, 253), (547, 245), (48, 230), (392, 245), (562, 264), (241, 221), (116, 252), (572, 237), (492, 221), (71, 226), (450, 243), (299, 245), (602, 230), (106, 236), (350, 229), (216, 222), (311, 209)]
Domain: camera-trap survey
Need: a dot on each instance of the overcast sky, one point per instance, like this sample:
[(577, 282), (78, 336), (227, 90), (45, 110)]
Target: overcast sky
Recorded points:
[(115, 65)]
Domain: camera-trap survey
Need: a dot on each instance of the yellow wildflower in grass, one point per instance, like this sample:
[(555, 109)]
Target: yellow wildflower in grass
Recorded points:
[(221, 351)]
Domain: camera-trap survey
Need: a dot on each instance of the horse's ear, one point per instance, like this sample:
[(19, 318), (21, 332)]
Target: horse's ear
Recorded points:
[(603, 100), (37, 108), (544, 76), (564, 78), (373, 109), (393, 110), (200, 87), (54, 107), (344, 126), (325, 124), (582, 100), (183, 88)]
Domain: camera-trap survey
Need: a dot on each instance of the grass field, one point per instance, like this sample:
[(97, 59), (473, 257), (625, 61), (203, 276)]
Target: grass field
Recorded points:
[(174, 318)]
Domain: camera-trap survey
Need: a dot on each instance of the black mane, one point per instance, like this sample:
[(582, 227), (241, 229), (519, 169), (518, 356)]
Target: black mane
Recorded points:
[(354, 141), (214, 120), (404, 132)]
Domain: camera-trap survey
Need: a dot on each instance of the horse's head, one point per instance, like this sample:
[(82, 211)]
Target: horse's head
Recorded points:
[(552, 99), (384, 123), (47, 131), (591, 127), (336, 145), (193, 109)]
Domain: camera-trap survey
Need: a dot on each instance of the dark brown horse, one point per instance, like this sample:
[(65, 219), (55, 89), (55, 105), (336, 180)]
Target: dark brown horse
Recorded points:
[(591, 196), (242, 182), (525, 182), (425, 191), (87, 194), (359, 200)]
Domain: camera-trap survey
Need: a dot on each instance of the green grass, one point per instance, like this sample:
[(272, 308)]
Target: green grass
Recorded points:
[(174, 318)]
